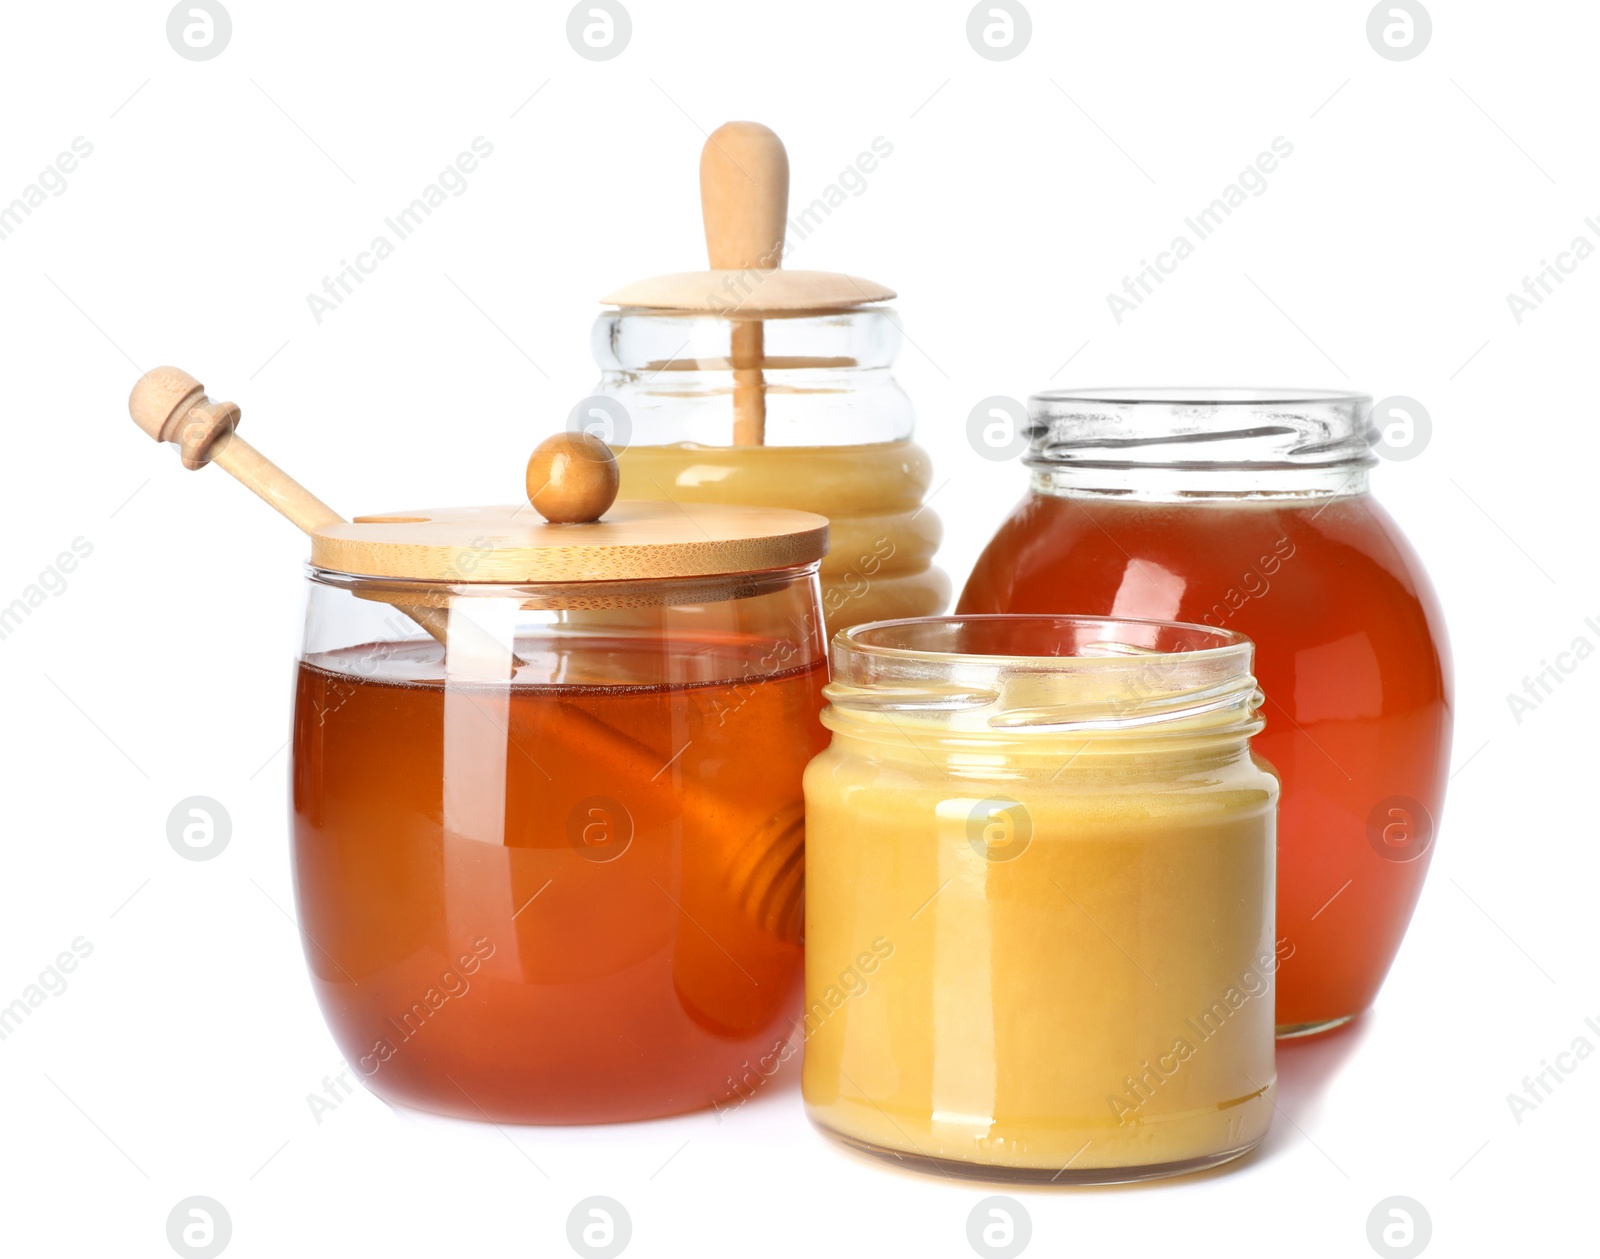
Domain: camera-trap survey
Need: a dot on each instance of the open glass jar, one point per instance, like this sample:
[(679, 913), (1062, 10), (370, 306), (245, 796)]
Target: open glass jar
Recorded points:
[(548, 832), (1249, 509), (1039, 931)]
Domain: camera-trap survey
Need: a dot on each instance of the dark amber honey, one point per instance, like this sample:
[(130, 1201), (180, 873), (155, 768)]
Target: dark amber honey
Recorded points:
[(1350, 655), (555, 902)]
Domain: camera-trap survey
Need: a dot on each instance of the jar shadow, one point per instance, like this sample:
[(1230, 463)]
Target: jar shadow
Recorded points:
[(1306, 1066), (776, 1090)]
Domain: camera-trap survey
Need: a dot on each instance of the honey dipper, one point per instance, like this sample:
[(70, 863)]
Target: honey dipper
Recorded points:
[(171, 406), (744, 206), (744, 200)]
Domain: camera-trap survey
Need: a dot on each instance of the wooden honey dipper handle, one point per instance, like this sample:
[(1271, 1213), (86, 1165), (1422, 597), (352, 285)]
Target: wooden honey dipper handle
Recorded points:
[(744, 197), (744, 202), (171, 406)]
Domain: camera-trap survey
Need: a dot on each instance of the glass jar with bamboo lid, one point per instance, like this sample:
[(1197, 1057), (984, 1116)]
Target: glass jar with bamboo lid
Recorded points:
[(754, 383), (546, 810)]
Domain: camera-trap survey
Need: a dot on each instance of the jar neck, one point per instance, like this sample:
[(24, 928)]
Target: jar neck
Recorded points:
[(1041, 687), (1174, 445), (1148, 483), (922, 745), (678, 631)]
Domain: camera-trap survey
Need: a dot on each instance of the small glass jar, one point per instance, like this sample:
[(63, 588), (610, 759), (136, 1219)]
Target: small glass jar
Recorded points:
[(833, 435), (1039, 909), (1249, 509), (548, 828)]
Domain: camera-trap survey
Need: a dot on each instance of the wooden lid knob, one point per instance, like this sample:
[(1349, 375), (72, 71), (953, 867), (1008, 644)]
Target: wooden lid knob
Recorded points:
[(572, 478), (744, 197), (171, 406)]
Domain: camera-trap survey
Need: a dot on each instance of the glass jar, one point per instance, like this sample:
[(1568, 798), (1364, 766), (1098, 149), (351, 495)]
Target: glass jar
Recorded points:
[(832, 435), (549, 868), (1249, 510), (1039, 939)]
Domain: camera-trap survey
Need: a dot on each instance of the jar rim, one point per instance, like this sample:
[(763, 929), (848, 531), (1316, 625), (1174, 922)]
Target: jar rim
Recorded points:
[(1174, 637), (565, 596), (1202, 395), (1043, 673), (818, 314), (1177, 442)]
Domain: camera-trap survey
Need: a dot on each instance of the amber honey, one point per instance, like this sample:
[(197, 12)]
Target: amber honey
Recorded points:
[(564, 901), (1351, 657)]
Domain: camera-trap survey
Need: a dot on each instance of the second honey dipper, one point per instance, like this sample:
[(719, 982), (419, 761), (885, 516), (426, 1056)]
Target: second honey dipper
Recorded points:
[(754, 381)]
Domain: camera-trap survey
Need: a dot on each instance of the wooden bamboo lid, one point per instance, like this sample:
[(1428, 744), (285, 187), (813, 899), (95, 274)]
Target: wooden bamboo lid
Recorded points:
[(744, 201), (635, 541), (571, 479)]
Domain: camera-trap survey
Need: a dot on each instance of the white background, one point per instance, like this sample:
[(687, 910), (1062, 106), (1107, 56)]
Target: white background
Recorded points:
[(1018, 194)]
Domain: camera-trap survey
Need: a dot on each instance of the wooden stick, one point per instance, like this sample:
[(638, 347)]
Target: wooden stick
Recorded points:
[(273, 485), (744, 201), (749, 384), (171, 406)]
